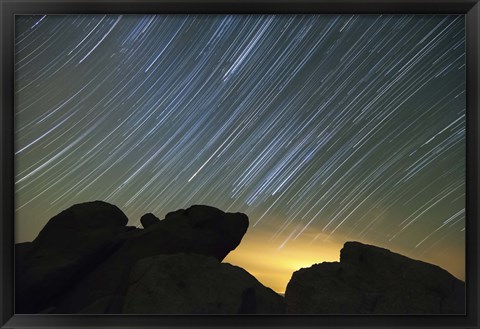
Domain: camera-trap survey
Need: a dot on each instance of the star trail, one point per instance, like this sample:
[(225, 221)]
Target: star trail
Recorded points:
[(321, 128)]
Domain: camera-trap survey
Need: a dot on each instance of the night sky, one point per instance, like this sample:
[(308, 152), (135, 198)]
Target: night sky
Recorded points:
[(321, 128)]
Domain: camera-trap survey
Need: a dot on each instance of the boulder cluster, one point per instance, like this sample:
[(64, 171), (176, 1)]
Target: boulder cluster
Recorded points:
[(87, 260)]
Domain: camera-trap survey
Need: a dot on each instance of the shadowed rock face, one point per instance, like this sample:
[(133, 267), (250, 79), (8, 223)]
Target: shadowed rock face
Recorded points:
[(372, 280), (196, 284), (85, 260), (71, 244), (80, 262), (199, 229), (148, 220)]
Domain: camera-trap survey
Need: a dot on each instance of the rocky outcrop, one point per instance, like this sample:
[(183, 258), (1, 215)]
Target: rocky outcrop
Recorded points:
[(196, 284), (199, 229), (71, 243), (81, 260), (148, 220), (86, 260), (373, 280)]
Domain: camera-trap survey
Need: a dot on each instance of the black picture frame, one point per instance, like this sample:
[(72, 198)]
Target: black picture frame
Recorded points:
[(10, 8)]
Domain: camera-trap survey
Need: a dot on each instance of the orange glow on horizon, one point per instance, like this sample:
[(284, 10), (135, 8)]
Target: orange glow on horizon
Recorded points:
[(261, 256)]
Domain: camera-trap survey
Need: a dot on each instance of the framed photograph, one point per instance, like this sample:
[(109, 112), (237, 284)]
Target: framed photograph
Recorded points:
[(239, 164)]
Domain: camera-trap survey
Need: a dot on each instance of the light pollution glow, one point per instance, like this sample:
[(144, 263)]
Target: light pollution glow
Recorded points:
[(273, 266)]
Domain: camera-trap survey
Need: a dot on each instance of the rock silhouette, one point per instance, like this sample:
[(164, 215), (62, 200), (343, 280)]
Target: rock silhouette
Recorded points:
[(71, 243), (82, 258), (196, 284), (199, 229), (86, 260), (373, 280), (148, 220)]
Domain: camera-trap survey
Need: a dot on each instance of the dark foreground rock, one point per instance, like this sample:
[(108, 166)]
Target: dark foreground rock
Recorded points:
[(372, 280), (86, 260), (69, 246), (81, 260), (148, 220), (199, 229), (196, 284)]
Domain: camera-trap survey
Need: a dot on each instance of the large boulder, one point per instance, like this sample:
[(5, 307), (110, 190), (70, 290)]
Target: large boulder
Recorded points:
[(149, 220), (70, 245), (373, 280), (196, 284), (199, 229)]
